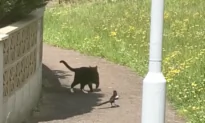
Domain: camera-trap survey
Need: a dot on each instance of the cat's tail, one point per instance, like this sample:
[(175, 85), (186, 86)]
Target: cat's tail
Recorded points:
[(103, 103), (70, 68)]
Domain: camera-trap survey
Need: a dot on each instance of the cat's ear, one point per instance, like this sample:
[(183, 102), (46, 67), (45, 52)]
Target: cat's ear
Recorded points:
[(96, 67)]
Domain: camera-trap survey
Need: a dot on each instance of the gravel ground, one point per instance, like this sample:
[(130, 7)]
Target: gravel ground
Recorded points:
[(59, 105)]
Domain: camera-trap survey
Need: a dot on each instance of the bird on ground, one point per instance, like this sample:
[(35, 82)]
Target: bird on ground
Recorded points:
[(112, 100)]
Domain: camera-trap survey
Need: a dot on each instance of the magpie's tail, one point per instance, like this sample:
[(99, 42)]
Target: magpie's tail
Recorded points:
[(103, 103)]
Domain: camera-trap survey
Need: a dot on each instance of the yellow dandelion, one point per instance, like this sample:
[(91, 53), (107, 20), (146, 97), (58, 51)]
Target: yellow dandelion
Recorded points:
[(193, 84), (97, 37), (169, 79), (186, 20), (184, 110), (166, 15), (131, 28), (175, 71), (113, 33)]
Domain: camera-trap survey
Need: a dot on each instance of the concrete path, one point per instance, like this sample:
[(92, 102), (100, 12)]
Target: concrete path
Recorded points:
[(59, 105)]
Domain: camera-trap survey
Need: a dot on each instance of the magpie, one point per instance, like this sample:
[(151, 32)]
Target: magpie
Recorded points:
[(112, 99)]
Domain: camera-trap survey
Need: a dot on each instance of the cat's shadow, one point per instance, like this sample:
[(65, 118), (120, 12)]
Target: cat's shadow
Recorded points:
[(58, 102), (78, 90)]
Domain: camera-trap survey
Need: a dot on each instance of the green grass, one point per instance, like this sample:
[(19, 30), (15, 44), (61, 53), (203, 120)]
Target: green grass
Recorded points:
[(119, 32)]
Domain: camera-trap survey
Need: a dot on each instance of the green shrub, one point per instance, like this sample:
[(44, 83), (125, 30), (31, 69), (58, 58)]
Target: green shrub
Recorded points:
[(14, 10)]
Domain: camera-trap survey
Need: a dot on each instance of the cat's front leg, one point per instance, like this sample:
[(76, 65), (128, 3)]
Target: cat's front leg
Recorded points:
[(82, 88), (91, 87), (84, 91), (71, 90)]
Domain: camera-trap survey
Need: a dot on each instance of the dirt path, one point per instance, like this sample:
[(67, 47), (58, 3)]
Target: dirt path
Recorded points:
[(58, 105)]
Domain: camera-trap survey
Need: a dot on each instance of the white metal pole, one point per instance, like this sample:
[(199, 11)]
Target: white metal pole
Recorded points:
[(154, 84)]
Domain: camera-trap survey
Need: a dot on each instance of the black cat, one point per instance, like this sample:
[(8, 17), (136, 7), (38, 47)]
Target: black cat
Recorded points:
[(84, 76)]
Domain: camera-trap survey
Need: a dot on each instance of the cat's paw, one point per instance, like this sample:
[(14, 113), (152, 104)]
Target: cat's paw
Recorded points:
[(71, 90), (84, 91)]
